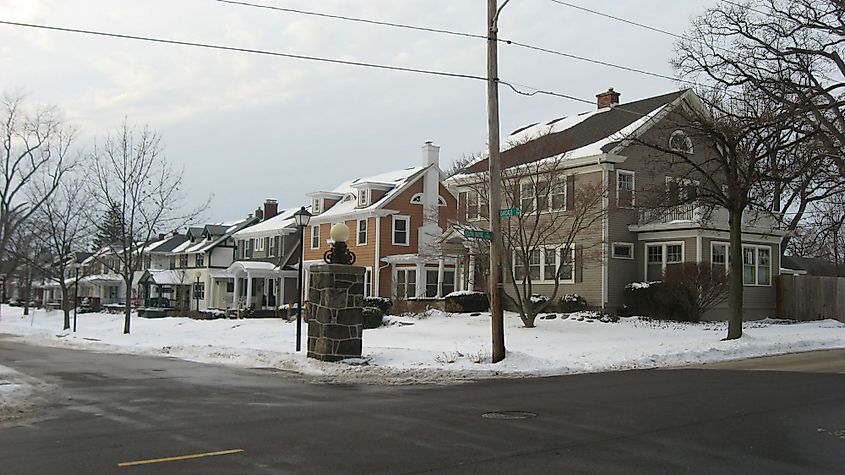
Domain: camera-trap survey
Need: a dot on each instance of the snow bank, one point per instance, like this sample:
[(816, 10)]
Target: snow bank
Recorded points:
[(435, 346), (16, 393)]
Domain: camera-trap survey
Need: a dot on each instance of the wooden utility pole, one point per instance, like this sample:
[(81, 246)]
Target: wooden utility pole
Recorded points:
[(497, 320)]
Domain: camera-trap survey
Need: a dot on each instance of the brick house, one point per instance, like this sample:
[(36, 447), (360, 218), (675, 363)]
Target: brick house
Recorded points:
[(634, 243), (393, 219)]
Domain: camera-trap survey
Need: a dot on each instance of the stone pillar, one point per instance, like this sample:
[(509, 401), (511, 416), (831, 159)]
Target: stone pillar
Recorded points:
[(335, 322)]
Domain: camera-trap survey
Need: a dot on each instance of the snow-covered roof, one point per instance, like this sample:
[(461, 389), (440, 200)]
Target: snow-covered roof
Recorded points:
[(281, 223), (166, 277), (203, 245), (348, 205), (587, 134)]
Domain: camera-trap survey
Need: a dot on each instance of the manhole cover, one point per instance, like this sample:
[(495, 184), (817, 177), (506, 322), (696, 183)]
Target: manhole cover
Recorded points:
[(509, 415)]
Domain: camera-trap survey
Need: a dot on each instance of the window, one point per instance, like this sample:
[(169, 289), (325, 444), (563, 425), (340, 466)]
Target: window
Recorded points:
[(368, 282), (719, 255), (172, 262), (148, 261), (258, 243), (271, 246), (431, 282), (475, 205), (406, 283), (623, 250), (248, 249), (756, 265), (527, 196), (363, 197), (240, 245), (362, 232), (183, 260), (401, 227), (316, 206), (199, 290), (680, 142), (558, 195), (199, 260), (315, 237), (544, 263), (659, 255), (624, 189)]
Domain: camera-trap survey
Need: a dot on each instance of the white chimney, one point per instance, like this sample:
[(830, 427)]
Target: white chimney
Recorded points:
[(430, 154)]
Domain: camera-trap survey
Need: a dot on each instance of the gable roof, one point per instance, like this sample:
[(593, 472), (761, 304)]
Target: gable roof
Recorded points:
[(204, 245), (399, 179), (167, 244), (589, 133), (282, 221), (812, 265)]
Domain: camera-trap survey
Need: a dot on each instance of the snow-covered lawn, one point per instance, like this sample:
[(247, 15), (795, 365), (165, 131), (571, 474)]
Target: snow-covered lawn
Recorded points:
[(433, 347)]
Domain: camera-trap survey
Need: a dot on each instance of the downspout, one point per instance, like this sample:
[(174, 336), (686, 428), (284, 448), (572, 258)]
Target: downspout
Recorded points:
[(376, 290), (605, 232)]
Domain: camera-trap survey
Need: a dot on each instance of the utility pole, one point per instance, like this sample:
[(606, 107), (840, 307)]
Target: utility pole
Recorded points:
[(497, 320)]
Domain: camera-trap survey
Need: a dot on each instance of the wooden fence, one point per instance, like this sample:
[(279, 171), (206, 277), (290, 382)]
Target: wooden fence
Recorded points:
[(805, 297)]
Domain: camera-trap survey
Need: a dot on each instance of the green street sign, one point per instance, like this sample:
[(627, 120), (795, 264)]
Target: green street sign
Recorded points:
[(504, 213), (478, 234)]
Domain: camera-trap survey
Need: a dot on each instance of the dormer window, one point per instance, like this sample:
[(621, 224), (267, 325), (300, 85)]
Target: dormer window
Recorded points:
[(680, 142), (363, 197), (316, 206)]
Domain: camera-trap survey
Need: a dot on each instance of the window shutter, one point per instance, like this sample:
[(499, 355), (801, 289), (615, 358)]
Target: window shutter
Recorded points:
[(462, 205), (570, 192)]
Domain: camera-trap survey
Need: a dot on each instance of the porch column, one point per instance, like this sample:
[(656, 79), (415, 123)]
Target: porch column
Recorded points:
[(211, 291), (471, 273), (237, 291), (420, 280), (248, 290), (441, 270)]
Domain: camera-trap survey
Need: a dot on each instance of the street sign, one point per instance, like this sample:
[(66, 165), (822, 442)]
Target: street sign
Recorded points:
[(504, 213), (478, 234)]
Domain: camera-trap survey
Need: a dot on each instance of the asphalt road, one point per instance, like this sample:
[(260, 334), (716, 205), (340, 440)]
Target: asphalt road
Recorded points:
[(113, 409)]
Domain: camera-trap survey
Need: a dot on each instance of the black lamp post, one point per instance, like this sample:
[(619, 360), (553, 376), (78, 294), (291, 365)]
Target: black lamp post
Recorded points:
[(197, 292), (301, 218)]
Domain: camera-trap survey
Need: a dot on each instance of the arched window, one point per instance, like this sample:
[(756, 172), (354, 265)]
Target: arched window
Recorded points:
[(680, 142)]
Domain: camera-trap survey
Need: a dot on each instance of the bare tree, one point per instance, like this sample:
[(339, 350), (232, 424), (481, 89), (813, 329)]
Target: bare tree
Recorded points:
[(133, 177), (737, 137), (35, 147), (63, 230), (790, 53), (554, 216), (823, 233)]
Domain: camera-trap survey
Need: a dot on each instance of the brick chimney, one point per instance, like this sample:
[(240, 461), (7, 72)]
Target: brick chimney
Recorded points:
[(161, 236), (608, 98), (259, 213), (271, 208)]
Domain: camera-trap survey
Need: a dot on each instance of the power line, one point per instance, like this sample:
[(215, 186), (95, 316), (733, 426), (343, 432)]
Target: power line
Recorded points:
[(456, 33), (623, 20), (245, 50)]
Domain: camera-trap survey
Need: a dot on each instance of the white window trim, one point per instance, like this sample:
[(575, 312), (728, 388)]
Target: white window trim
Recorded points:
[(368, 282), (258, 243), (363, 197), (271, 246), (407, 220), (561, 180), (358, 232), (688, 140), (407, 271), (633, 187), (559, 254), (665, 255), (727, 245), (316, 206), (757, 248), (477, 215), (629, 245), (315, 236)]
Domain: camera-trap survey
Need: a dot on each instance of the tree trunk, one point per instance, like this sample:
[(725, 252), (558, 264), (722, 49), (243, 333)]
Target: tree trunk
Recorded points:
[(735, 277), (65, 308), (128, 307), (27, 286)]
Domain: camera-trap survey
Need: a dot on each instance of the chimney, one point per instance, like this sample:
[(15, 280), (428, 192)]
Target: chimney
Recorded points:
[(608, 98), (259, 213), (161, 236), (271, 208), (430, 154)]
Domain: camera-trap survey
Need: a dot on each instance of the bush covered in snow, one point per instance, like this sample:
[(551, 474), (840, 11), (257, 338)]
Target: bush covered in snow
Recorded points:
[(466, 302), (572, 303), (373, 317), (381, 303)]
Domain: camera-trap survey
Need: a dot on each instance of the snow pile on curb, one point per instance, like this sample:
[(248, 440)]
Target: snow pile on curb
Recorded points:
[(435, 346), (16, 393)]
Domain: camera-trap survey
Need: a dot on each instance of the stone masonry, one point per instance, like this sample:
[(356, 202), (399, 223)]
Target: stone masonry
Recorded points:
[(335, 323)]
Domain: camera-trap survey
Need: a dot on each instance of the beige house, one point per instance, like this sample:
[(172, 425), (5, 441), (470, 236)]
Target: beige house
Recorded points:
[(631, 243)]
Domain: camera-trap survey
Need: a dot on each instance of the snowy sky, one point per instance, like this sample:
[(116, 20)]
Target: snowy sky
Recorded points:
[(248, 127)]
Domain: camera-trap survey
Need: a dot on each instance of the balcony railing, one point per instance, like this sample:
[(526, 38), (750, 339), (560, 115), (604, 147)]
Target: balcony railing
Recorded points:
[(685, 212), (698, 213)]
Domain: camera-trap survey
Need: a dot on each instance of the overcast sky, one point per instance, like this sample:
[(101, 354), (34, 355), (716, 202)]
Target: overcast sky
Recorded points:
[(248, 127)]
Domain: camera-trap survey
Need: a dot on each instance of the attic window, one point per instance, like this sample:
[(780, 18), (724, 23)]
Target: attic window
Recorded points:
[(680, 142), (417, 199), (441, 201), (316, 206)]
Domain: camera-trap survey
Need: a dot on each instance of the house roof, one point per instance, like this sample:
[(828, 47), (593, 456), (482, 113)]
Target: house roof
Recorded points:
[(272, 226), (399, 179), (203, 245), (586, 134), (167, 244), (812, 265)]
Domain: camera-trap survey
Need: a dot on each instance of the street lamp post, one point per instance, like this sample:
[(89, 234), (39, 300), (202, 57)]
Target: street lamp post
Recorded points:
[(197, 291), (75, 296), (301, 218)]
